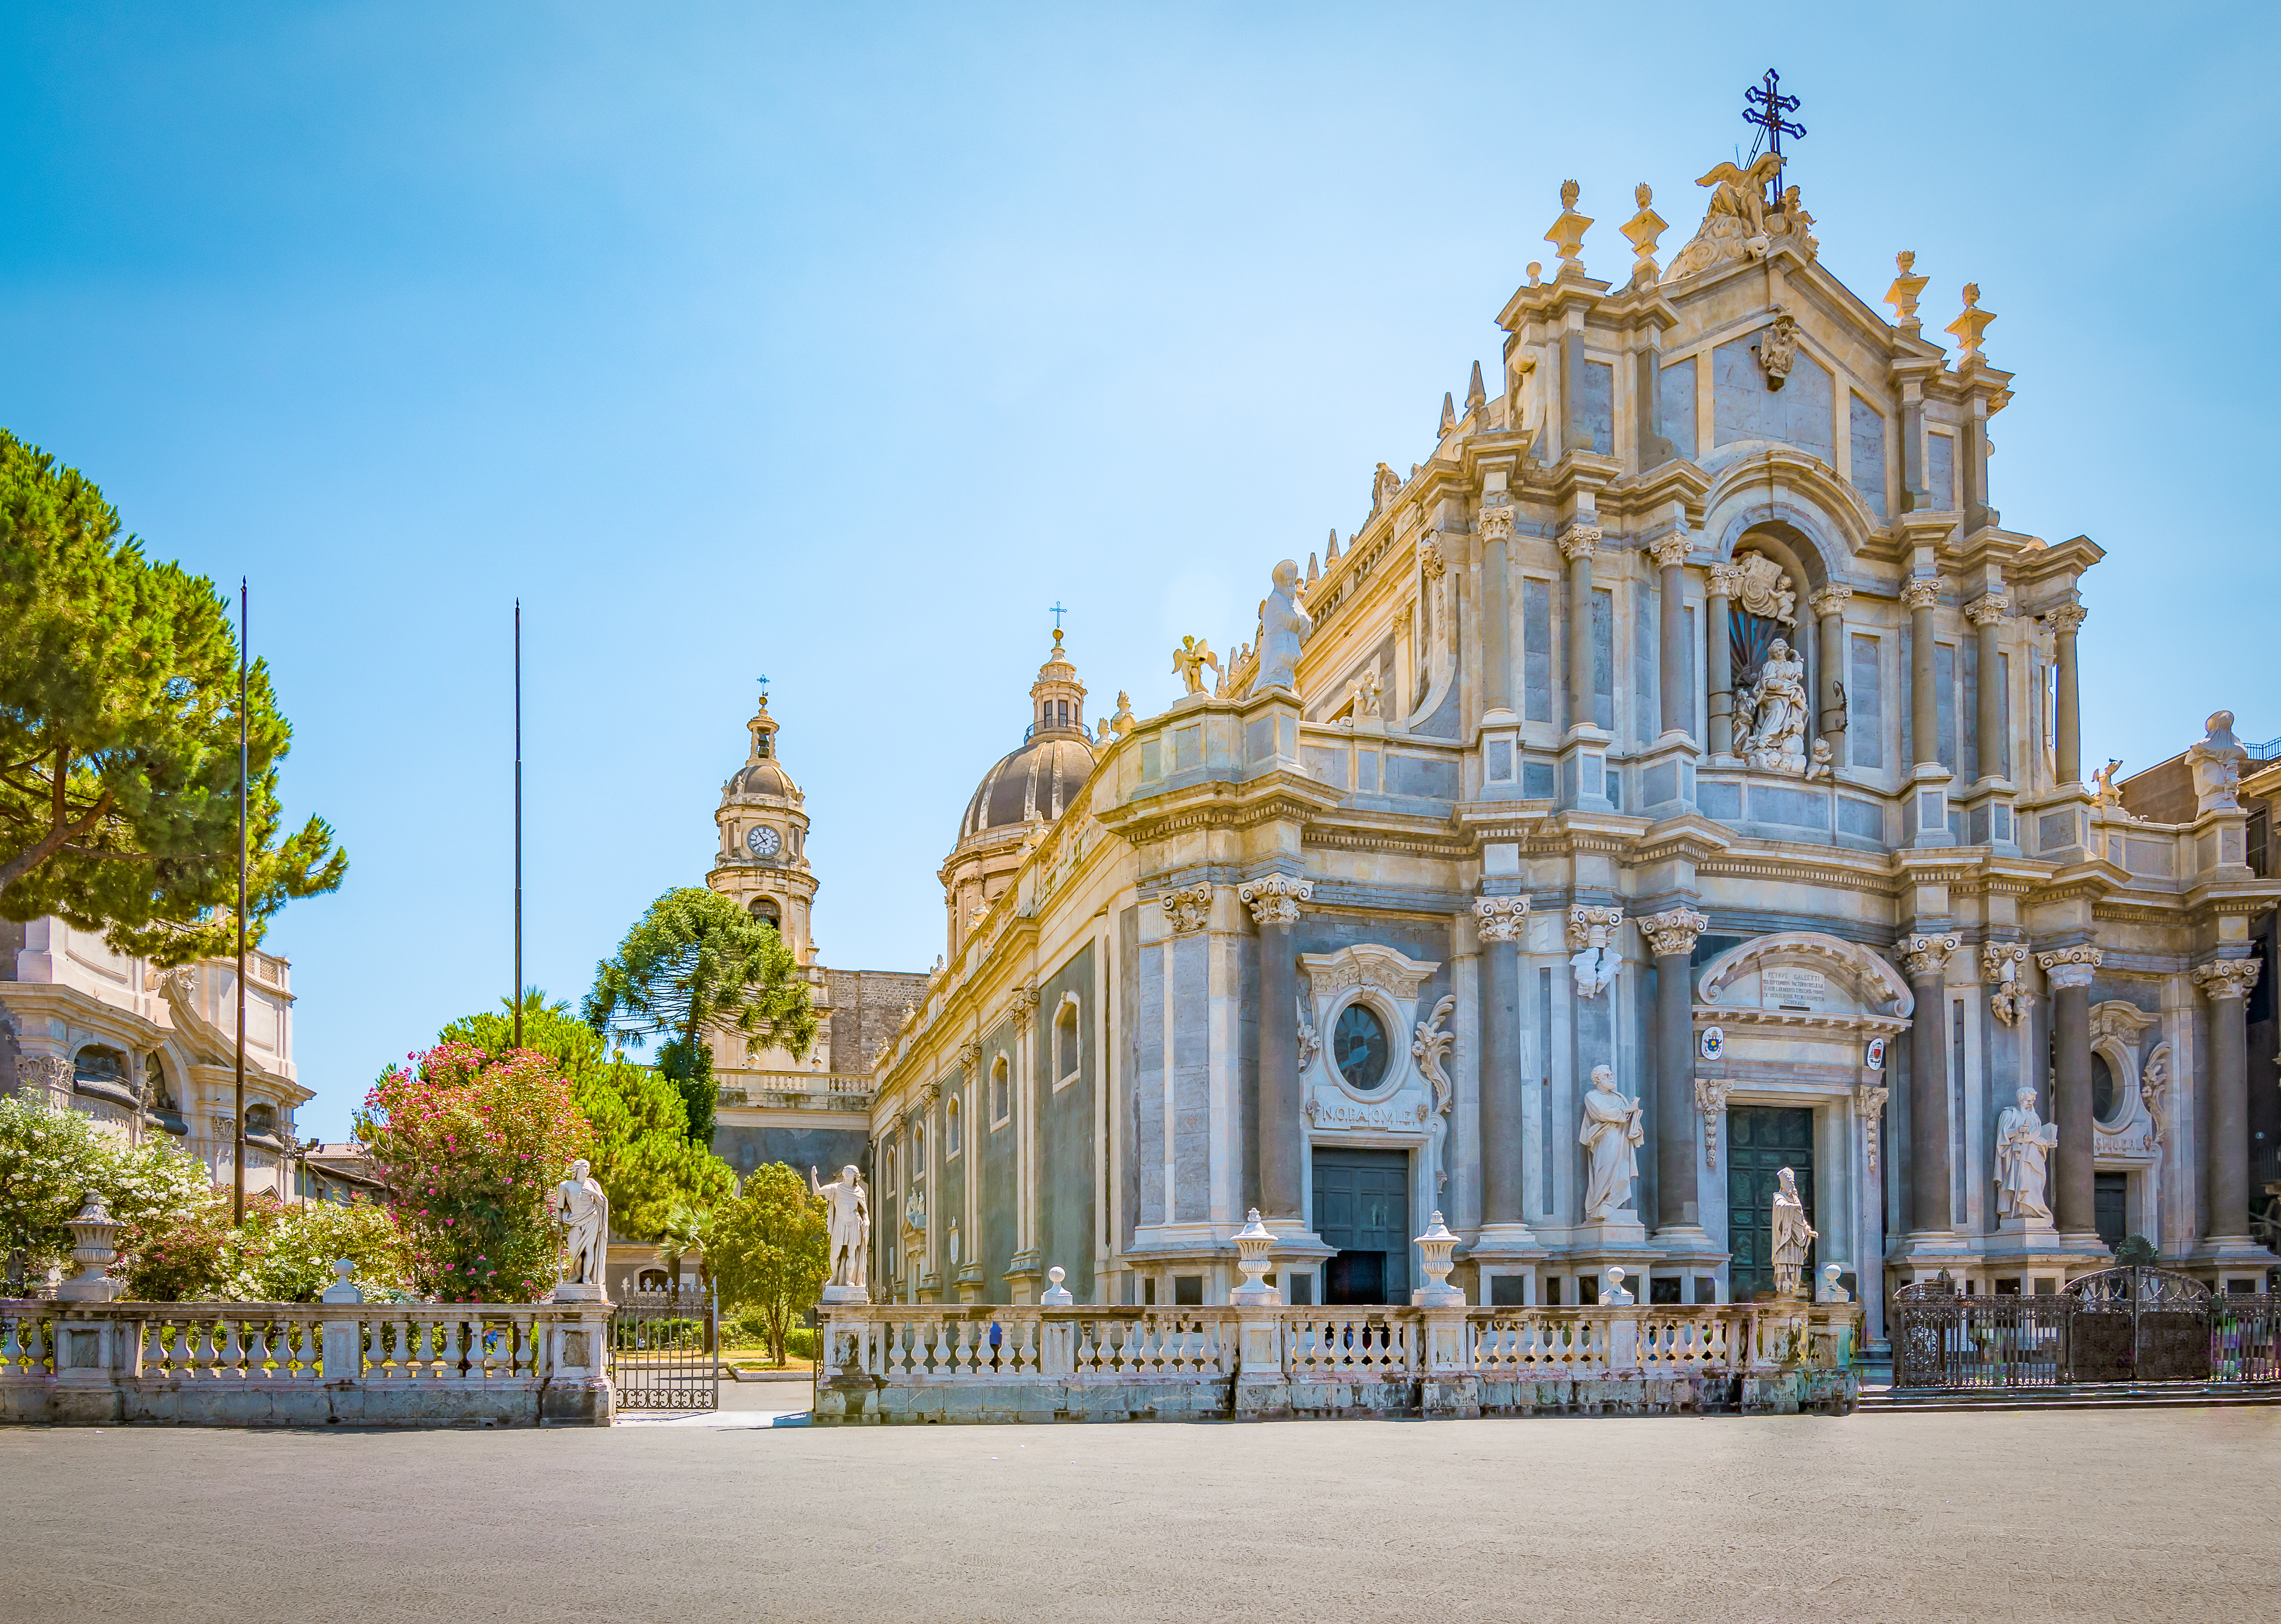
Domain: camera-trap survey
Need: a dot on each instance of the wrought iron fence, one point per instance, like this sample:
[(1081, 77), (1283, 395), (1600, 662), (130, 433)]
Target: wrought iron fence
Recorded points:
[(2131, 1324), (665, 1350)]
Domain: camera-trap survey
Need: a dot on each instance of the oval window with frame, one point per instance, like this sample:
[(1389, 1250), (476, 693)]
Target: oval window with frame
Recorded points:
[(1358, 1047)]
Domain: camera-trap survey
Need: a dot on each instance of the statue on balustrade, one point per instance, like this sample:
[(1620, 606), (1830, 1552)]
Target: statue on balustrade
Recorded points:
[(1792, 1236), (2024, 1143), (1283, 626), (584, 1210), (848, 1225), (1611, 1135), (1774, 713)]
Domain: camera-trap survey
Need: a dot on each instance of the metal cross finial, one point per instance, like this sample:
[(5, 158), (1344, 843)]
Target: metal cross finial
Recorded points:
[(764, 689), (1767, 105), (1057, 612)]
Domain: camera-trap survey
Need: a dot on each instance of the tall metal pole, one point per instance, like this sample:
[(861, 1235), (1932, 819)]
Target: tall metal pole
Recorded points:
[(518, 822), (238, 1160)]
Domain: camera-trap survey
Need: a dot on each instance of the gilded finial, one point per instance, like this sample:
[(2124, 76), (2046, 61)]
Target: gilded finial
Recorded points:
[(1642, 230), (1567, 233), (1970, 324)]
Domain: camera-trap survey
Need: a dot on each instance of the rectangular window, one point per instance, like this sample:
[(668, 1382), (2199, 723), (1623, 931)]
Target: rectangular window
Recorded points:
[(1940, 470), (1944, 687), (1600, 406), (1188, 1291), (1865, 698), (1868, 436), (1537, 650), (1604, 660), (1675, 413)]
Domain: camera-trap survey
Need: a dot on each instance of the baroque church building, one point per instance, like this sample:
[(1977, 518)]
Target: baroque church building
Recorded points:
[(1677, 778)]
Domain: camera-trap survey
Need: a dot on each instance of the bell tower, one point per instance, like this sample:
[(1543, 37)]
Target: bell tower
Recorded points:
[(762, 861)]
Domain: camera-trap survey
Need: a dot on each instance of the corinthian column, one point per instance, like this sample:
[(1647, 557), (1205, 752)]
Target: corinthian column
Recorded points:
[(2066, 747), (1274, 902), (1918, 596), (1578, 543), (1678, 1198), (1926, 957), (1494, 527), (1678, 704), (1828, 607), (2069, 972), (1718, 651), (1500, 921), (1987, 614), (2225, 1137)]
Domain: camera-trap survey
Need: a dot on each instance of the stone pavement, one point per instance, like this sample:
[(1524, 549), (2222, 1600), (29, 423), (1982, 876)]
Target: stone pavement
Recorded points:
[(2137, 1515)]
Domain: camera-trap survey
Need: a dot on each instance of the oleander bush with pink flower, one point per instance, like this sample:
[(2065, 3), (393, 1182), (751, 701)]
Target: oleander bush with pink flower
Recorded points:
[(471, 1148)]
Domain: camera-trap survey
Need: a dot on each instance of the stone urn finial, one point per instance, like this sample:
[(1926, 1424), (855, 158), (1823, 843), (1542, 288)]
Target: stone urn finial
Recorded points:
[(1435, 1250), (344, 1288), (1056, 1297), (1612, 1294), (91, 1235), (1252, 1243)]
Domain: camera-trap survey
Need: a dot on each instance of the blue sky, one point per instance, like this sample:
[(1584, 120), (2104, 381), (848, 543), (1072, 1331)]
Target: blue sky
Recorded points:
[(837, 343)]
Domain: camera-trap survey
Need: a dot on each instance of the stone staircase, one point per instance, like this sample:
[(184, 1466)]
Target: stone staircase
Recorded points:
[(2101, 1396)]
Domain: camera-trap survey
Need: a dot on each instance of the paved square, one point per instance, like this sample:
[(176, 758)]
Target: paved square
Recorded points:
[(2138, 1515)]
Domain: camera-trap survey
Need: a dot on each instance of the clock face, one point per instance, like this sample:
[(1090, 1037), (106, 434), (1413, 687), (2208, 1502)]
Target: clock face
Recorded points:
[(763, 840)]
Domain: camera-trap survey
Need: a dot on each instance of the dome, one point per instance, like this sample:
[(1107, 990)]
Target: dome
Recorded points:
[(1033, 783), (763, 778)]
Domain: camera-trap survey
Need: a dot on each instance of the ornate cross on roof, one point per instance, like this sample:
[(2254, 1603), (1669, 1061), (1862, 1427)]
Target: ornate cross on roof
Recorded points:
[(764, 689), (1765, 104), (1057, 612)]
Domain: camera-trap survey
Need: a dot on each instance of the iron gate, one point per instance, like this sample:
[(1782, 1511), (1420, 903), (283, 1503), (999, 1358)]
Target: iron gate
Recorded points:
[(665, 1350), (2132, 1324)]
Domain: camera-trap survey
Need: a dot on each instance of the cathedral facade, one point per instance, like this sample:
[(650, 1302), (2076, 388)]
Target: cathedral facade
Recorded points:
[(1677, 778)]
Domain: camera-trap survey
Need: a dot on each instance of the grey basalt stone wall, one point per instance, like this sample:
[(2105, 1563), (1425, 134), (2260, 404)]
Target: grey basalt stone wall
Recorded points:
[(1066, 1219)]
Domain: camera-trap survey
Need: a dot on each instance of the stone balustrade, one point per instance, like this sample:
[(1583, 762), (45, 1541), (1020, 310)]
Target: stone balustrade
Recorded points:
[(1000, 1363), (304, 1364)]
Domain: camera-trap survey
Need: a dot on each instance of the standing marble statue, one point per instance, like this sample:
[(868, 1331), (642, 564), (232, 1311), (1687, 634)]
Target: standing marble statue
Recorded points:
[(1611, 1135), (2024, 1143), (1283, 626), (1792, 1236), (1777, 706), (584, 1210), (849, 1227)]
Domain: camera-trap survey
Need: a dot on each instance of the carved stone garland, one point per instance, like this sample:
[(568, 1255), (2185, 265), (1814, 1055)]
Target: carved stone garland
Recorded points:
[(1869, 1103), (1711, 1099)]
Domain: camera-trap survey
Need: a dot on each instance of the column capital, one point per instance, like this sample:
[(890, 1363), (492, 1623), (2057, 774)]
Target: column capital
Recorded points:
[(1925, 955), (1579, 541), (2224, 978), (1989, 607), (1275, 899), (1024, 1002), (1501, 918), (1830, 601), (1920, 593), (2066, 967), (1673, 932), (1670, 551), (1187, 909), (2065, 619), (1495, 522), (1725, 580)]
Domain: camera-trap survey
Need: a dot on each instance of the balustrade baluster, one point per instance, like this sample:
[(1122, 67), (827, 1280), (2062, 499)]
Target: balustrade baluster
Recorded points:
[(257, 1350), (1030, 1358), (413, 1342), (450, 1371)]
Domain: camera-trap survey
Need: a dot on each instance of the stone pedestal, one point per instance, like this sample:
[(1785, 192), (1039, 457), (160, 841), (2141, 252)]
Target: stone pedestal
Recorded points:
[(577, 1391), (848, 1294), (89, 1355), (1447, 1386), (575, 1291)]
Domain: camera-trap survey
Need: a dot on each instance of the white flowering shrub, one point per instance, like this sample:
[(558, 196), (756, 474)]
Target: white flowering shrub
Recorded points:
[(52, 1158)]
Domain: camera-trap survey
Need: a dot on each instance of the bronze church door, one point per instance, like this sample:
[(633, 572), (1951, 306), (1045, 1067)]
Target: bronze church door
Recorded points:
[(1761, 1140), (1362, 1209)]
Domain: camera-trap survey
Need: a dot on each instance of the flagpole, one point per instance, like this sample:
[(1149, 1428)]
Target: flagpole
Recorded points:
[(238, 1160), (518, 822)]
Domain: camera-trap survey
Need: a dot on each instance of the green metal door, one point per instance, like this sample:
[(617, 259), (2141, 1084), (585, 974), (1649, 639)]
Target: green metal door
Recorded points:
[(1761, 1140)]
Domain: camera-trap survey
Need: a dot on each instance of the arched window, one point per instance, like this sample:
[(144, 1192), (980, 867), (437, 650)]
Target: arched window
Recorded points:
[(765, 910), (261, 1118), (102, 1066), (950, 1128), (1001, 1105)]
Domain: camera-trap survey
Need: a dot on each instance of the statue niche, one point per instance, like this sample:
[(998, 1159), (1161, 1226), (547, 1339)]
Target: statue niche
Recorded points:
[(1772, 707)]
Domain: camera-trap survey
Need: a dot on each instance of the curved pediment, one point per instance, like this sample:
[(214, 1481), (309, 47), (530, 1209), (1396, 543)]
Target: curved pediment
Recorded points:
[(1830, 976)]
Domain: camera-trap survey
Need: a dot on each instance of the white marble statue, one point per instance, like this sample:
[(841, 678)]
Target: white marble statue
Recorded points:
[(1792, 1236), (849, 1225), (1777, 705), (2215, 760), (584, 1210), (1284, 626), (1611, 1136), (2024, 1142), (1189, 661)]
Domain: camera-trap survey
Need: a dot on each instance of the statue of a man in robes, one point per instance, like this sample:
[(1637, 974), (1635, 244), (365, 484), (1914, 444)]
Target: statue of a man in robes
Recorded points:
[(2024, 1142), (1283, 627), (1611, 1135), (1792, 1237), (584, 1211), (849, 1227)]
